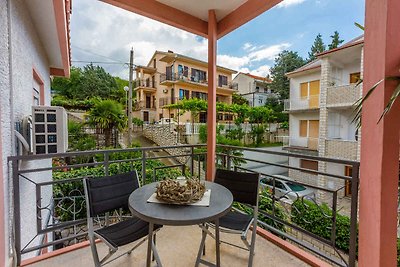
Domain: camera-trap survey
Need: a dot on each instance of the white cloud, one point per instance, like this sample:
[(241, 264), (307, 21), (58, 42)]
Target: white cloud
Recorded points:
[(268, 53), (111, 32), (287, 3)]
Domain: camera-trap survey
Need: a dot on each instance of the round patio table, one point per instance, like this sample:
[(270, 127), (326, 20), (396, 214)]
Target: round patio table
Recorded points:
[(221, 200)]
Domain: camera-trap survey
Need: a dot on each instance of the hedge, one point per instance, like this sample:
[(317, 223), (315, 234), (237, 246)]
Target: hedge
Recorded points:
[(317, 219)]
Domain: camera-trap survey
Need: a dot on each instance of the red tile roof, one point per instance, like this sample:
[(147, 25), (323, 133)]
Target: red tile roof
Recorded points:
[(265, 79)]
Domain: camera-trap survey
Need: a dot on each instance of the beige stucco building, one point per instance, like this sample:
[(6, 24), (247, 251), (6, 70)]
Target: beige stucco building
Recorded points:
[(321, 104), (170, 77)]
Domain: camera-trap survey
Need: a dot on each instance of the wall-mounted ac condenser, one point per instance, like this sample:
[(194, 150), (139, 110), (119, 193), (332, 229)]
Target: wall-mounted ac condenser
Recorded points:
[(50, 130)]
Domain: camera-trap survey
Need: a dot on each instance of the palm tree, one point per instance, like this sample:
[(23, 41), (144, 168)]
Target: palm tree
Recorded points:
[(107, 114)]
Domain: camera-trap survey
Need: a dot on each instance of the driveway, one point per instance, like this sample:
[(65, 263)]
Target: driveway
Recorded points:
[(265, 168)]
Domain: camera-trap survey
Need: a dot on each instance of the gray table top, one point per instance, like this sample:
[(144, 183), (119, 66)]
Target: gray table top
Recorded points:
[(169, 214)]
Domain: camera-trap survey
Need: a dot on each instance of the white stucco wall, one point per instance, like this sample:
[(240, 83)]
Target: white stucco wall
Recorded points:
[(26, 53)]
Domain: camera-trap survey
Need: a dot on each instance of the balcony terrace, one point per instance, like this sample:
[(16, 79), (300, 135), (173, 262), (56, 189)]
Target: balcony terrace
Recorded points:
[(342, 96), (309, 143), (146, 84), (169, 79), (300, 104), (53, 226)]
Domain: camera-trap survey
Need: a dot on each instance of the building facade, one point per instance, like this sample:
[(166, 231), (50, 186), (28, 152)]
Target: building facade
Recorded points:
[(170, 77), (254, 88), (34, 45), (321, 105)]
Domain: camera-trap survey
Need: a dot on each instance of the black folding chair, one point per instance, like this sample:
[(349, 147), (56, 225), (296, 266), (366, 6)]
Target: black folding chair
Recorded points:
[(244, 188), (108, 194)]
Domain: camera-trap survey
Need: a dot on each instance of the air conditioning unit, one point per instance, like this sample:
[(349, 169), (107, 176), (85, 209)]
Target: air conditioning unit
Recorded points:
[(49, 130)]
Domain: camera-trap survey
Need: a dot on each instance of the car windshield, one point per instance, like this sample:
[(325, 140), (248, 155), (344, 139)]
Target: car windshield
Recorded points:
[(296, 187)]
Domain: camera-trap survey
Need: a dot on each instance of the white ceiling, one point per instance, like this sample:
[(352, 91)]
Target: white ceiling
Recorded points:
[(199, 8), (42, 14)]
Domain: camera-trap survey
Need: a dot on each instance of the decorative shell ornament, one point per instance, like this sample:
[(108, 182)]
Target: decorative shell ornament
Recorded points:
[(180, 191)]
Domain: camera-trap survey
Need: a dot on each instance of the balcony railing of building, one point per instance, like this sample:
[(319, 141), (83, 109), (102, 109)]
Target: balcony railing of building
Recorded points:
[(164, 101), (344, 95), (301, 103), (193, 79), (147, 83), (300, 142), (339, 148), (50, 214), (139, 105)]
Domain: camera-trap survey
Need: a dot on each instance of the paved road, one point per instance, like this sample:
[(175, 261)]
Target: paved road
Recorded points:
[(265, 168)]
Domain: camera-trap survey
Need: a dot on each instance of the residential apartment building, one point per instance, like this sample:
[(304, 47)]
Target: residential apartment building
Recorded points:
[(34, 45), (253, 88), (322, 95), (170, 77)]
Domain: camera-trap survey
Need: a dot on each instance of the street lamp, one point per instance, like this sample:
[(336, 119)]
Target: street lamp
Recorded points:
[(126, 89)]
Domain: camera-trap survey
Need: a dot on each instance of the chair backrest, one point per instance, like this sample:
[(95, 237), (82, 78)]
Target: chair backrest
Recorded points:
[(110, 192), (243, 185)]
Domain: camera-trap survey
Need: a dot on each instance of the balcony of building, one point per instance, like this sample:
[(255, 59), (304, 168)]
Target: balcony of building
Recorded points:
[(144, 104), (173, 78), (300, 143), (310, 102), (50, 217), (340, 148), (148, 85), (343, 96)]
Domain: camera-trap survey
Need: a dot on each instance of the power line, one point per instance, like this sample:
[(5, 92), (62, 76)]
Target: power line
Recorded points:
[(90, 52), (99, 62)]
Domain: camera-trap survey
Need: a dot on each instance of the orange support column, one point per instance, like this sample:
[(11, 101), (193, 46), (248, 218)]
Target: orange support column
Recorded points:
[(379, 141), (212, 95)]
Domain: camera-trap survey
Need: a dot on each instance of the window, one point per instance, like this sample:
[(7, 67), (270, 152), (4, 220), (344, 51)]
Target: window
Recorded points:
[(154, 63), (203, 117), (222, 80), (348, 171), (37, 89), (309, 164), (198, 75), (279, 185), (228, 117), (355, 77), (184, 94), (220, 116), (180, 70), (303, 128), (260, 100), (199, 95), (310, 91), (257, 89)]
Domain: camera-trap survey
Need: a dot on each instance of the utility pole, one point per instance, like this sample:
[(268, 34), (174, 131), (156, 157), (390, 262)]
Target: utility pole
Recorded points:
[(130, 126)]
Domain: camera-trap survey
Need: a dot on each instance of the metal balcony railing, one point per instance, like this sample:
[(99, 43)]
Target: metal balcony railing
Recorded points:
[(147, 83), (164, 101), (302, 103), (50, 213), (193, 79), (139, 105)]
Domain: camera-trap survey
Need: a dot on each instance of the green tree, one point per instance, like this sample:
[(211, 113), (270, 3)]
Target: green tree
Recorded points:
[(107, 114), (285, 62), (91, 81), (336, 41), (238, 99), (317, 47)]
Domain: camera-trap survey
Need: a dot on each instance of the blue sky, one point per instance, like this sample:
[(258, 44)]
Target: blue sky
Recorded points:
[(100, 29)]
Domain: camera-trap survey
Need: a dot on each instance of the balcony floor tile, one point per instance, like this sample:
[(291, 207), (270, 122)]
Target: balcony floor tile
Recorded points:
[(177, 247)]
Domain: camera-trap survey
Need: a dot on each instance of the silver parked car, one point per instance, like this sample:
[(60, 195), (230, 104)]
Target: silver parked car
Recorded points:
[(286, 188)]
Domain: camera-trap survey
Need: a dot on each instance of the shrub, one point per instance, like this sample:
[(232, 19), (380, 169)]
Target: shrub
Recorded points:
[(65, 193), (317, 219), (265, 205)]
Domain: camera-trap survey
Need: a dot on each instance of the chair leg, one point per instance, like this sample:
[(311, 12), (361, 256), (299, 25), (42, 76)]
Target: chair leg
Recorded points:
[(202, 246), (253, 243), (94, 251), (154, 241), (155, 254)]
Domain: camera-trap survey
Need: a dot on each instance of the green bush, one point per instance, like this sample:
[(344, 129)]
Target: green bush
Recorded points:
[(65, 193), (317, 219), (265, 205), (398, 252)]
